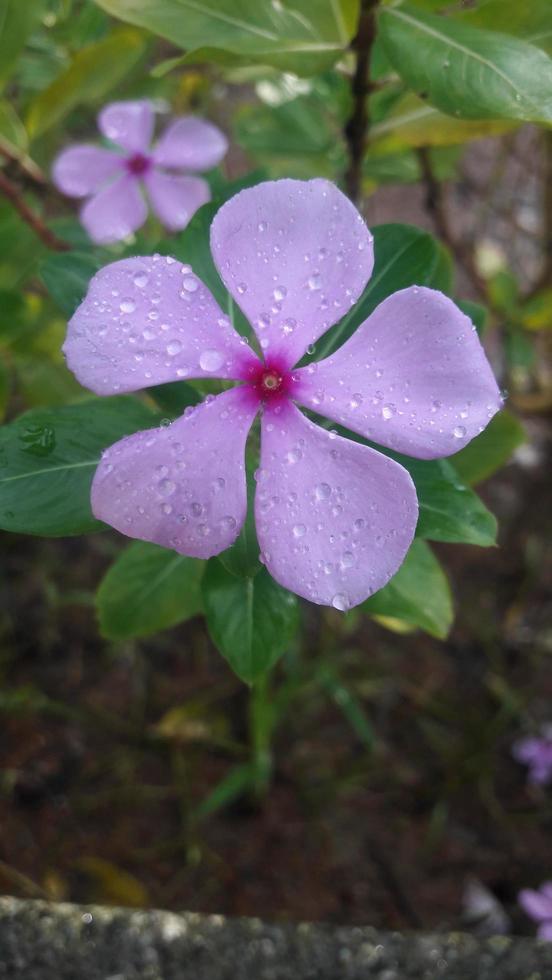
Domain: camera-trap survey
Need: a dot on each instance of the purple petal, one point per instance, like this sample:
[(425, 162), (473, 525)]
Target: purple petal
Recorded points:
[(413, 377), (527, 749), (295, 255), (81, 170), (128, 124), (175, 199), (334, 518), (536, 906), (545, 931), (115, 211), (181, 486), (190, 144), (546, 889), (148, 320)]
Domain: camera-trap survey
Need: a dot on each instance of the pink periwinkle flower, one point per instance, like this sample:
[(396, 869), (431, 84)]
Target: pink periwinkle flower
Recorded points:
[(114, 180), (334, 518), (537, 904), (536, 753)]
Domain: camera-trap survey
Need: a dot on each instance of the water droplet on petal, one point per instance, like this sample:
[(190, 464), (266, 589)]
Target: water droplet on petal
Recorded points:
[(323, 491), (340, 601), (174, 347), (190, 284), (211, 360), (459, 432), (299, 530), (127, 306)]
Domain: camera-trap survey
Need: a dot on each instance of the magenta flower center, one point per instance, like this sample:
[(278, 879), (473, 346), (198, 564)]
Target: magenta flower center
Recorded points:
[(270, 381), (138, 164)]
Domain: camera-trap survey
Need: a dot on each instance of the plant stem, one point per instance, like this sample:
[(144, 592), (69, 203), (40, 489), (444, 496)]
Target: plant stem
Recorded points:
[(13, 194), (356, 129), (436, 205), (260, 727)]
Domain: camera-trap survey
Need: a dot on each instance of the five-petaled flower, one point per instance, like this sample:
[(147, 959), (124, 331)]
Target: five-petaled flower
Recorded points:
[(536, 753), (334, 517), (114, 179), (538, 906)]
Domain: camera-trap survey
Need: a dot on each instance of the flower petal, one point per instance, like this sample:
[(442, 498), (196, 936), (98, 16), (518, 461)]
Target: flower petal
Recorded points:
[(538, 907), (174, 198), (190, 144), (545, 930), (334, 518), (182, 486), (128, 124), (295, 255), (115, 211), (413, 377), (148, 320), (81, 170)]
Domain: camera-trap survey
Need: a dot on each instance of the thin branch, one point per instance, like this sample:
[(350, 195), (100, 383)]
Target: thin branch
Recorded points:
[(30, 169), (356, 129), (435, 203), (13, 194)]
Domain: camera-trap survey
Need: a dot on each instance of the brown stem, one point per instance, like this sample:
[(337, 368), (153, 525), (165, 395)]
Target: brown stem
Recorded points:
[(544, 277), (356, 129), (435, 204), (11, 191)]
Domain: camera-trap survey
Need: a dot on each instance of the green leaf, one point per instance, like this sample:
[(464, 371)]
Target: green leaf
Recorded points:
[(531, 21), (173, 397), (405, 256), (5, 386), (412, 122), (12, 131), (48, 458), (467, 71), (250, 620), (418, 594), (490, 450), (66, 276), (17, 20), (237, 782), (293, 36), (242, 558), (93, 72), (146, 590), (478, 314), (449, 510), (295, 139)]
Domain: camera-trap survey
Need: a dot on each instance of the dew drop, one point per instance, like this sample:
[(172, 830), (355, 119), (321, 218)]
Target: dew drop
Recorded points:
[(166, 487), (140, 280), (323, 491), (388, 411), (190, 284), (174, 347), (459, 432), (314, 282), (299, 530), (127, 306), (242, 288), (280, 293), (228, 523), (211, 360), (340, 601)]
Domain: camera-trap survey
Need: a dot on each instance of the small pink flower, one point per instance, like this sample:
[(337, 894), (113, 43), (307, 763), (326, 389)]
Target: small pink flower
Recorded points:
[(537, 904), (536, 753), (113, 180), (334, 518)]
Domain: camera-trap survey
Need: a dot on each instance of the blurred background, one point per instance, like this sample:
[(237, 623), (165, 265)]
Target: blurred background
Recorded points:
[(394, 797)]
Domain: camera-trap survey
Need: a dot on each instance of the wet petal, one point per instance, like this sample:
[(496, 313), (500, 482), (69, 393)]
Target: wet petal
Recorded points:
[(413, 377), (537, 906), (148, 320), (175, 199), (334, 518), (182, 486), (81, 170), (128, 124), (115, 212), (295, 255), (191, 144)]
